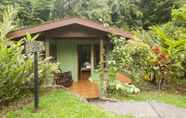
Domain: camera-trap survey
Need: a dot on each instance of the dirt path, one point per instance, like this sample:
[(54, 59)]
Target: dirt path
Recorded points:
[(142, 109)]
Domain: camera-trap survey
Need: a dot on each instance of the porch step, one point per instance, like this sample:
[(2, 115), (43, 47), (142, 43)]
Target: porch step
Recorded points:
[(85, 89)]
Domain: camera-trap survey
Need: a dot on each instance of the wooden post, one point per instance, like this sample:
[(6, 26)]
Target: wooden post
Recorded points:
[(36, 82), (33, 47), (106, 79), (102, 52), (47, 48), (106, 56), (92, 58)]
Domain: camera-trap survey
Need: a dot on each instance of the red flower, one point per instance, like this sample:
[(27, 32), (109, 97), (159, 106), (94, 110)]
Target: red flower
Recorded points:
[(163, 56), (156, 49)]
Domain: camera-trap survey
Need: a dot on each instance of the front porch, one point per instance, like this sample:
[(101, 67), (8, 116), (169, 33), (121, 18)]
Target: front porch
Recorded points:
[(72, 56), (79, 50)]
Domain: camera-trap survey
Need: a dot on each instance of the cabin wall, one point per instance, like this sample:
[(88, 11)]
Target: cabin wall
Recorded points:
[(67, 56)]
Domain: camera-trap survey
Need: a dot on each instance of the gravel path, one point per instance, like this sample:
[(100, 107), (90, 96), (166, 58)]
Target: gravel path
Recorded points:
[(142, 109)]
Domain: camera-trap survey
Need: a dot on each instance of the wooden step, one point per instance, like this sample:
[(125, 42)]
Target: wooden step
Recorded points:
[(85, 89)]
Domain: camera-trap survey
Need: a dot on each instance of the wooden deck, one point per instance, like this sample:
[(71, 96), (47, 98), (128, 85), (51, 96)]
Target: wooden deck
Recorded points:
[(85, 88)]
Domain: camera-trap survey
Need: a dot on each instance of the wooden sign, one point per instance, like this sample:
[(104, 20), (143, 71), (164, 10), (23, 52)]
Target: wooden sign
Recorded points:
[(33, 46)]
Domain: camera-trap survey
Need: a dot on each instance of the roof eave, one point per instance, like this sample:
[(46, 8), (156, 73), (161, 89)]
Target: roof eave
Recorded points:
[(65, 22)]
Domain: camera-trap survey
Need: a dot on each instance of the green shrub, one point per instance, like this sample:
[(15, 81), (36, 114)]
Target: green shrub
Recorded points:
[(16, 69), (16, 72), (116, 87), (130, 57), (46, 70)]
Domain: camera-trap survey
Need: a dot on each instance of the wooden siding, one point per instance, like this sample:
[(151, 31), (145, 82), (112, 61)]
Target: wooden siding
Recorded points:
[(74, 31)]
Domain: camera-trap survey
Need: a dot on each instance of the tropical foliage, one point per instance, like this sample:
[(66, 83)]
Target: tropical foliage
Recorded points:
[(131, 57), (172, 41), (157, 55), (116, 87), (16, 78), (122, 13)]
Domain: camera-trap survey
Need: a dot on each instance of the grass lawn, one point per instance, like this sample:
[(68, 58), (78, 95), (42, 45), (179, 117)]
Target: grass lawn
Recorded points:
[(174, 99), (61, 104)]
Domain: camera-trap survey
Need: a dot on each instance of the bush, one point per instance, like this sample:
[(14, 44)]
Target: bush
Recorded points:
[(16, 70), (46, 71), (116, 87), (113, 85), (130, 57), (157, 55)]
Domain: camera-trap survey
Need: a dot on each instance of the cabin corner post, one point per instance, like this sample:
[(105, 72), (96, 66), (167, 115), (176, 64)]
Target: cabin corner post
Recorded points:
[(92, 58), (47, 47), (106, 67), (102, 68)]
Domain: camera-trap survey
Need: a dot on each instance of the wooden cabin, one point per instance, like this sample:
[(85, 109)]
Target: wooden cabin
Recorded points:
[(75, 43)]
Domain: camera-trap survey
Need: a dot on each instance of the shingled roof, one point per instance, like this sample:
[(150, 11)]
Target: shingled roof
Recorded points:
[(50, 25)]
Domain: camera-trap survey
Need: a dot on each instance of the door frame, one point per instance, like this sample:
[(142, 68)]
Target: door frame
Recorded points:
[(78, 57)]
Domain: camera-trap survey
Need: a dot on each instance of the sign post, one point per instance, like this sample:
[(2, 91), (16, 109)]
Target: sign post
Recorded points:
[(36, 82), (33, 47)]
